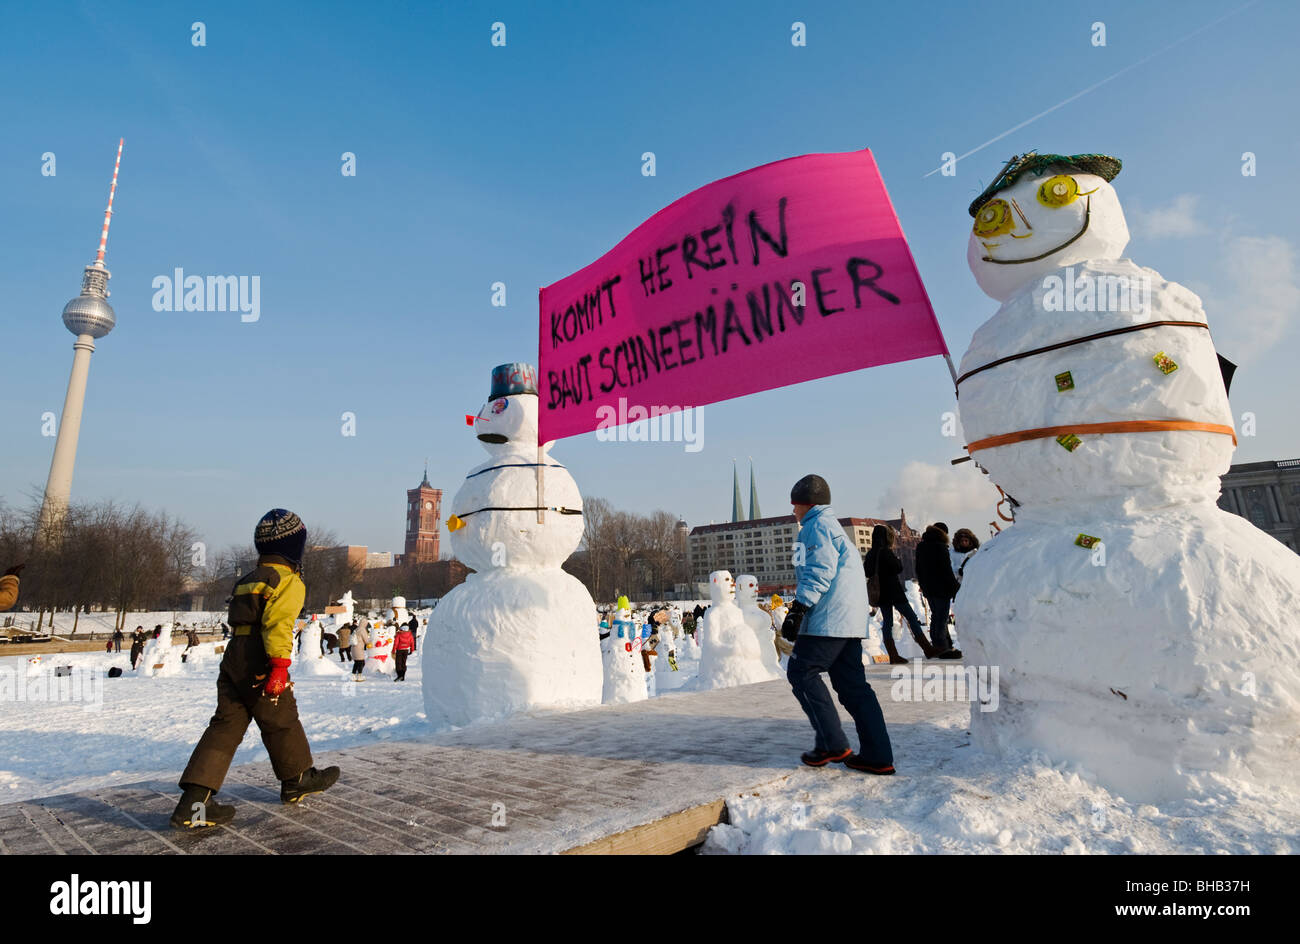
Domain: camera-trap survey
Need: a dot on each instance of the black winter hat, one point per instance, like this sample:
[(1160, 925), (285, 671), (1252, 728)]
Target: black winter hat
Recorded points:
[(282, 533), (810, 490)]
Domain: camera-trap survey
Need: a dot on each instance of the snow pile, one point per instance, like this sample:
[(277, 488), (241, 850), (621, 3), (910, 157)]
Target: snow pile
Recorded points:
[(1139, 630)]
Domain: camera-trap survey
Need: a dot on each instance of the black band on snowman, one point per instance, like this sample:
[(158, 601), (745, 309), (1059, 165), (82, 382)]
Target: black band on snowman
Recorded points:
[(517, 465), (1091, 337), (561, 509)]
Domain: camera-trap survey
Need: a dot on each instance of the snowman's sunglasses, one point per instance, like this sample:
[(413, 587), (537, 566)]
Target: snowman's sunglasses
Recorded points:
[(1087, 218)]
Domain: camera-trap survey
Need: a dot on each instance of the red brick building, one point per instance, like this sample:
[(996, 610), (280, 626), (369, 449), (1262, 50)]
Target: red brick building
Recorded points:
[(423, 509)]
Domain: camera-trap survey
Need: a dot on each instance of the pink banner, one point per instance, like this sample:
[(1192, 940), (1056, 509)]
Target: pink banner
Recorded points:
[(784, 273)]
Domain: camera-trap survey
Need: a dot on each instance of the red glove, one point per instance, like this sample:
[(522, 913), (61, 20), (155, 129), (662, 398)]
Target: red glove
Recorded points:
[(278, 680)]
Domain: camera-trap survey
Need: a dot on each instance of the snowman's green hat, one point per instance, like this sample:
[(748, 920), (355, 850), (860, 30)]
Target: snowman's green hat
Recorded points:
[(511, 379), (1104, 166)]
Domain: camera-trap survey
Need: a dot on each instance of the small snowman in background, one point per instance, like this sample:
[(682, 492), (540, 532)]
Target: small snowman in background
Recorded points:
[(307, 656), (161, 653), (516, 635), (779, 612), (1142, 632), (758, 621), (729, 650), (401, 615), (668, 674), (625, 676), (379, 657)]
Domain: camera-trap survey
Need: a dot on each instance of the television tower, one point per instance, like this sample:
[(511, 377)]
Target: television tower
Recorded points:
[(88, 316)]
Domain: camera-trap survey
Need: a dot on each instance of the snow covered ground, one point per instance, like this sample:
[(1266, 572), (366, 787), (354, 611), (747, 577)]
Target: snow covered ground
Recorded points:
[(147, 727), (947, 797)]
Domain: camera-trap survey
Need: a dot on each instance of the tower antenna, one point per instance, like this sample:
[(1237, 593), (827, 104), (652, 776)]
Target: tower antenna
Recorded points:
[(108, 212)]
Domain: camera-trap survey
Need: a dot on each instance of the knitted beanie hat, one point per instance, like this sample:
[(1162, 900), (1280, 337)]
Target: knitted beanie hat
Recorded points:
[(810, 490), (282, 533)]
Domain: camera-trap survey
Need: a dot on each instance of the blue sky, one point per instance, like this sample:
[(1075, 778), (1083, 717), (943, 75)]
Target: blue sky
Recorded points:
[(521, 164)]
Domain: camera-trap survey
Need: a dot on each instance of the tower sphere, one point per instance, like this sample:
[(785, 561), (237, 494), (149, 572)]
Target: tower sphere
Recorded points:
[(88, 314)]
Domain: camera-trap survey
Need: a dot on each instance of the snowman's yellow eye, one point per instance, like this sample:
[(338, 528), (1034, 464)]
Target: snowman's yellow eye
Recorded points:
[(994, 219), (1058, 191)]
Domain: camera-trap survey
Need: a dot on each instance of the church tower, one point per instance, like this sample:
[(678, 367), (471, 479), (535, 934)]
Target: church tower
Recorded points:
[(423, 507)]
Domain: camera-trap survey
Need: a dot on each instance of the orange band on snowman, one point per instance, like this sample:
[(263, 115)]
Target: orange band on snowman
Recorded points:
[(1123, 426)]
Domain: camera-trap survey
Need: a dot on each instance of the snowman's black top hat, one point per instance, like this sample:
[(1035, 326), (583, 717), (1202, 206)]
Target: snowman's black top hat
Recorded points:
[(511, 379), (1104, 166)]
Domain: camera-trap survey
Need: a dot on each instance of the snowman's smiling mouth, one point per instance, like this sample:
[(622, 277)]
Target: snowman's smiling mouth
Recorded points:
[(1087, 218)]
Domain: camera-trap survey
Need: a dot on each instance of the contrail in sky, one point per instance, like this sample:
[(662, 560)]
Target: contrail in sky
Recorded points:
[(1096, 85)]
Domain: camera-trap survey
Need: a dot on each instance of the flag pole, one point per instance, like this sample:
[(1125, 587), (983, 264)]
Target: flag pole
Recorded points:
[(541, 490)]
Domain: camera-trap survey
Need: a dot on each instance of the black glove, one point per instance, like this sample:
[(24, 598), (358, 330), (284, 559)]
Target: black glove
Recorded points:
[(790, 628)]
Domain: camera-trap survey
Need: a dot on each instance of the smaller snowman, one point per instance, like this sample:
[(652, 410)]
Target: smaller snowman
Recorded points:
[(668, 672), (779, 612), (624, 674), (307, 657), (161, 653), (379, 658), (401, 615), (758, 621), (729, 653)]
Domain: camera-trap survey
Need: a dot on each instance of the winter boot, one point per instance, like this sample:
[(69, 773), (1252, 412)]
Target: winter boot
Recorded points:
[(198, 808), (892, 649), (950, 654), (309, 781), (926, 649), (858, 762), (815, 758)]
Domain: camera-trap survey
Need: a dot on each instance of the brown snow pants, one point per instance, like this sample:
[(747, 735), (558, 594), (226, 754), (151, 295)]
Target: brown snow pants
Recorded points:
[(244, 668)]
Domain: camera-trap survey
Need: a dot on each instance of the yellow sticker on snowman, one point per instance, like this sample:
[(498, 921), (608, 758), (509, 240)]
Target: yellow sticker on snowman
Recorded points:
[(1070, 441), (1165, 363)]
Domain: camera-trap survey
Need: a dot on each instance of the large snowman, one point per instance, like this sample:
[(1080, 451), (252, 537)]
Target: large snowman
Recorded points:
[(1139, 631), (516, 635), (729, 649)]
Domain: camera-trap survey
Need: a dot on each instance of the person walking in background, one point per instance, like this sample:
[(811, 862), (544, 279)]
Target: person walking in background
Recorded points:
[(882, 564), (253, 683), (117, 640), (964, 544), (403, 646), (345, 640), (827, 622), (938, 585), (414, 626), (9, 587), (360, 643), (137, 646)]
